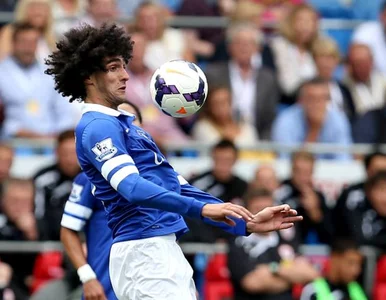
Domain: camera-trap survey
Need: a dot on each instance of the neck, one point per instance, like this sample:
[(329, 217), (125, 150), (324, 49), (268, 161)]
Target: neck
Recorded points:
[(97, 100)]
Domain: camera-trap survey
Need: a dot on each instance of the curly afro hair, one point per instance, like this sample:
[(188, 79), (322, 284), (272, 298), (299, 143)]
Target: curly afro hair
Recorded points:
[(82, 52)]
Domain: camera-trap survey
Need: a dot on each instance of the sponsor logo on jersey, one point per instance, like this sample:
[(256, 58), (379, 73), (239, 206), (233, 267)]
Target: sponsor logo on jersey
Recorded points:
[(104, 150)]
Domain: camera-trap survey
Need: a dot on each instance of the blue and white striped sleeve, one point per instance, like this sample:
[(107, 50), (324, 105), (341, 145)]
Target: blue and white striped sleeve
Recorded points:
[(190, 191), (78, 208), (104, 146)]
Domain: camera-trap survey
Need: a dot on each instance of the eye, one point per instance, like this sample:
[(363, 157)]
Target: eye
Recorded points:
[(113, 68)]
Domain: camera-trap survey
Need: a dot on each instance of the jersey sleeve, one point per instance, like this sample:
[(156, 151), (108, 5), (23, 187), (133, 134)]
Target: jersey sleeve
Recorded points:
[(103, 145), (190, 191), (78, 208)]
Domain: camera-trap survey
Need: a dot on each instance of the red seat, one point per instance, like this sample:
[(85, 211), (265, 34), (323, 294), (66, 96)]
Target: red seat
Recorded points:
[(380, 291), (217, 283), (48, 266)]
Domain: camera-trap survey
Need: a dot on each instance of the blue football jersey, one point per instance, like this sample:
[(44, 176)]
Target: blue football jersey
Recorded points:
[(141, 192), (83, 212)]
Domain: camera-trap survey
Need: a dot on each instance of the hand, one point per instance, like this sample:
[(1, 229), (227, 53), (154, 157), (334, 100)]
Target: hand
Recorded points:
[(5, 274), (311, 203), (93, 290), (27, 224), (273, 218), (223, 212)]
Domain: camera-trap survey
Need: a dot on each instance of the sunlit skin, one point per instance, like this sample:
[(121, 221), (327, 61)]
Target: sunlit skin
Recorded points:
[(25, 45), (108, 87)]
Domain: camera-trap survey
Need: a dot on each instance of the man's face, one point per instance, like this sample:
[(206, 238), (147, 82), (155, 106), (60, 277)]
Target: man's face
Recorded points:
[(349, 265), (18, 200), (314, 99), (67, 159), (243, 47), (360, 63), (24, 46), (223, 162), (111, 84), (257, 204), (377, 197), (302, 171), (265, 177), (6, 158), (102, 10), (377, 164)]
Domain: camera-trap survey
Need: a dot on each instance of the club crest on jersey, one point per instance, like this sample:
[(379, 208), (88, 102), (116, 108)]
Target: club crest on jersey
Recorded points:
[(76, 192), (104, 150)]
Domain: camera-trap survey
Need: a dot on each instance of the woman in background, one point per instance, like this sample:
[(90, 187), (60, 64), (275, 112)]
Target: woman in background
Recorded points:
[(292, 50), (216, 121), (39, 14)]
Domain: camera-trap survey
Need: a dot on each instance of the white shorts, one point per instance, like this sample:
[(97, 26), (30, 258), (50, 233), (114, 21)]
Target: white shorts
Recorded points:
[(151, 269)]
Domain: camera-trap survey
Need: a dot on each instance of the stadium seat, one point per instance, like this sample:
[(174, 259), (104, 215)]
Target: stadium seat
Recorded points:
[(48, 266), (217, 283), (380, 280)]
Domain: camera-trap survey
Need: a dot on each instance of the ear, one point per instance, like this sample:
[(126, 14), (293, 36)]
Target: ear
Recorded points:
[(89, 81)]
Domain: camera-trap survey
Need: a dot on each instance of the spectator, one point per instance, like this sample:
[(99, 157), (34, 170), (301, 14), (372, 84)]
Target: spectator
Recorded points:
[(6, 159), (163, 128), (266, 266), (66, 14), (326, 54), (37, 13), (32, 106), (217, 122), (292, 50), (53, 186), (220, 182), (355, 193), (370, 127), (345, 266), (254, 90), (18, 223), (363, 217), (99, 12), (372, 34), (311, 121), (265, 177), (367, 86), (276, 11), (164, 44), (299, 192)]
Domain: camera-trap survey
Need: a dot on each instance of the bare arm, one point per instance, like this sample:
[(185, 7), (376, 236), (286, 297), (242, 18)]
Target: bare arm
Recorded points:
[(299, 272), (261, 280), (92, 288), (73, 246)]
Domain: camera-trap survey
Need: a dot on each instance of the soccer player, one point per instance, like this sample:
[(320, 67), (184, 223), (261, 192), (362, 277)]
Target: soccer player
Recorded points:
[(143, 196), (83, 212)]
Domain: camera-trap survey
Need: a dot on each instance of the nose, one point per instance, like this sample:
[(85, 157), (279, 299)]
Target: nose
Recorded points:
[(125, 75)]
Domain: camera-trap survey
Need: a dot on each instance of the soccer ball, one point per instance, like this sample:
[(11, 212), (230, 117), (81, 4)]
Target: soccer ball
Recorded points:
[(179, 88)]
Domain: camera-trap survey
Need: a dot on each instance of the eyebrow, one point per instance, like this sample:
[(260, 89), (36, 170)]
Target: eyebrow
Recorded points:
[(111, 60)]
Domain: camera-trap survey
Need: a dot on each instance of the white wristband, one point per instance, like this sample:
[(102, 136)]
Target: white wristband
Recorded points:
[(85, 273)]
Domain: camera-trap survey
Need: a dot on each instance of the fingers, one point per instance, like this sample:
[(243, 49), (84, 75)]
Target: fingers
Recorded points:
[(291, 212), (280, 208), (292, 219), (238, 211), (286, 225)]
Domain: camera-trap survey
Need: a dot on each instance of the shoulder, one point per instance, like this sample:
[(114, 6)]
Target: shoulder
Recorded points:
[(367, 29), (279, 43), (95, 122), (291, 114), (47, 171)]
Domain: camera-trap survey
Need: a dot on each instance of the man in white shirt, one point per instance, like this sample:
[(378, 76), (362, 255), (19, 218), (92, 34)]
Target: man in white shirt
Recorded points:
[(373, 34), (32, 107)]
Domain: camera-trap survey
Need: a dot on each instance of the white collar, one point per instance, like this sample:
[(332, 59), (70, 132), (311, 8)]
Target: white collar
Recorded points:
[(104, 110)]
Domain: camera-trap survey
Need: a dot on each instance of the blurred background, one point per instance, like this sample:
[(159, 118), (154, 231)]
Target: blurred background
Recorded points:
[(295, 114)]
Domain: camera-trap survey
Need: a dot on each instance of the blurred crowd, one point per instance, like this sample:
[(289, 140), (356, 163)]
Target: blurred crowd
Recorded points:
[(273, 75)]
